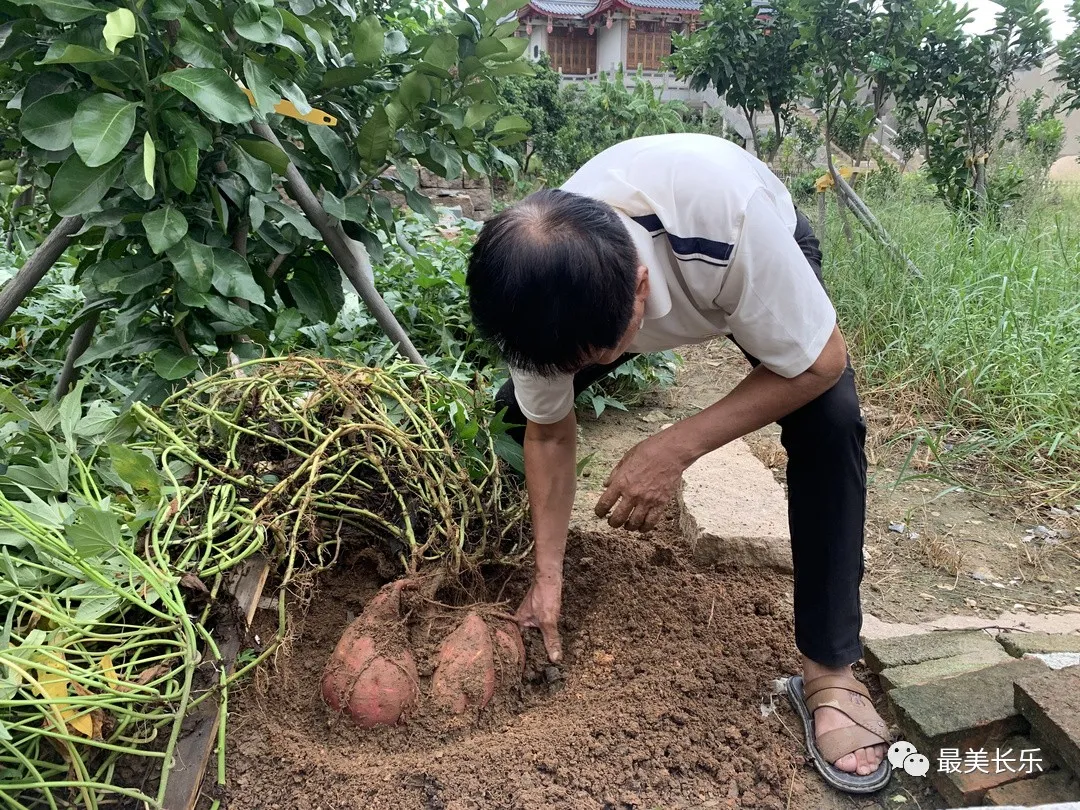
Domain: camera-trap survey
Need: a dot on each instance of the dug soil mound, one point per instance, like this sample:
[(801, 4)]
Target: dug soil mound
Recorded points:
[(658, 702)]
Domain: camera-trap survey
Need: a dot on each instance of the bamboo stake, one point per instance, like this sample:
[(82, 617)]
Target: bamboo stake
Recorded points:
[(874, 227), (352, 259), (15, 291)]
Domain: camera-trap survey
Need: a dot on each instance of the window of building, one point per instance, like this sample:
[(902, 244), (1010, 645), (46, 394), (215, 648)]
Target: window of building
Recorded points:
[(572, 50), (646, 45)]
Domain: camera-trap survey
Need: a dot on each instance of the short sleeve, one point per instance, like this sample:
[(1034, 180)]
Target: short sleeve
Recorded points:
[(543, 400), (775, 306)]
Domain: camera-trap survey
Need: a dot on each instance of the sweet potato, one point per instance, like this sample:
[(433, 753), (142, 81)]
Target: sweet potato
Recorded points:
[(511, 652), (465, 675), (372, 675)]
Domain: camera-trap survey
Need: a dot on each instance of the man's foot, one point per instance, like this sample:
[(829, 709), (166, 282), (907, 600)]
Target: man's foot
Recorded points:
[(862, 762)]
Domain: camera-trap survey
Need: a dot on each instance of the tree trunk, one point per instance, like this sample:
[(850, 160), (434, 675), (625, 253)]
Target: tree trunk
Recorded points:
[(350, 257), (15, 291), (24, 199), (80, 342), (779, 135), (980, 183), (753, 131)]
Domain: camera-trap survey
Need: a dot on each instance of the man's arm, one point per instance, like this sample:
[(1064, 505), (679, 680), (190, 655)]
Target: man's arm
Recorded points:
[(550, 476), (643, 483)]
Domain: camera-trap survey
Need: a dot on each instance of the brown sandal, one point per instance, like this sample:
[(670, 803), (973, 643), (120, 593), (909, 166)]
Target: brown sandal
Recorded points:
[(869, 729)]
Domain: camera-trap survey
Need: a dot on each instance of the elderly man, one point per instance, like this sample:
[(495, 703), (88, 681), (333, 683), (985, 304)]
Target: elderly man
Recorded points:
[(661, 242)]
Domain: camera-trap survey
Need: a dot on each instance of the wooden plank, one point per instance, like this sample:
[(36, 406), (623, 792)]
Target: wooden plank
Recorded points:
[(197, 742)]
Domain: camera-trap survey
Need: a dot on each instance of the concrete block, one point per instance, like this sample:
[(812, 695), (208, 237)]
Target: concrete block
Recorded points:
[(733, 512), (1020, 644), (481, 198), (886, 653), (965, 711), (1051, 703), (1047, 788), (940, 668)]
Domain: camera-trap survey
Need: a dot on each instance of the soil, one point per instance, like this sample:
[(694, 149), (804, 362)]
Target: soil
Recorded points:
[(664, 699)]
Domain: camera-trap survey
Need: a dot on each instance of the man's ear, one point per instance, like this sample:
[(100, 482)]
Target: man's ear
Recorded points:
[(642, 290)]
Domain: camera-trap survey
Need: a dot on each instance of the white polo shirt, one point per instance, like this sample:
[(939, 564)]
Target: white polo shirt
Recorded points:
[(703, 206)]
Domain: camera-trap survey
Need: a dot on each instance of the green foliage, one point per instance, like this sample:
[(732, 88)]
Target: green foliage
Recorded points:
[(537, 99), (752, 61), (137, 120), (1068, 72)]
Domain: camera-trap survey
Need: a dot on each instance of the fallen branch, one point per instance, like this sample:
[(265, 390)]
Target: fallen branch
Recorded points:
[(15, 291), (352, 259)]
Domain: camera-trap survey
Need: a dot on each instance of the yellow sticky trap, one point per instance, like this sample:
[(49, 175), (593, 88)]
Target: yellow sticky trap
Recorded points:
[(288, 109)]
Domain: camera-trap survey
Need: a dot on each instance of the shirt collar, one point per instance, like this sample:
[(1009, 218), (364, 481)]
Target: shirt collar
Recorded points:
[(658, 303)]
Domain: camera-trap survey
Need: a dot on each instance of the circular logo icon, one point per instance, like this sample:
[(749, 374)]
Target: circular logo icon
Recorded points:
[(916, 765), (899, 751)]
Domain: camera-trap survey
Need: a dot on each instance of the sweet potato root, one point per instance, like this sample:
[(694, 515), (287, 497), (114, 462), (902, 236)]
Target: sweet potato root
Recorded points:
[(465, 675), (372, 675), (510, 650)]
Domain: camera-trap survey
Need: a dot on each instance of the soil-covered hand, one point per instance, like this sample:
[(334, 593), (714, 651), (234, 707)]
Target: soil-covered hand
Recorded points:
[(641, 485), (540, 610)]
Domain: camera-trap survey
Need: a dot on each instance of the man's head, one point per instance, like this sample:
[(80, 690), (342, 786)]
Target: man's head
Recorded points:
[(556, 283)]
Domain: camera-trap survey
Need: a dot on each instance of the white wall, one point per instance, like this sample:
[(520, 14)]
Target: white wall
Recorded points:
[(611, 46), (538, 40)]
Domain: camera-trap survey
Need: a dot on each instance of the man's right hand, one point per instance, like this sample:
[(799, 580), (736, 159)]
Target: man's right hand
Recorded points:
[(540, 610)]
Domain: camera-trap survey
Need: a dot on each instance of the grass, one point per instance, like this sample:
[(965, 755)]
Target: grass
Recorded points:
[(985, 350)]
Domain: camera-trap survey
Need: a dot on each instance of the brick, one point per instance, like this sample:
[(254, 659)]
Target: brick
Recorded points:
[(1047, 788), (733, 512), (884, 653), (970, 789), (1051, 703), (965, 711), (1019, 644), (481, 199), (940, 668)]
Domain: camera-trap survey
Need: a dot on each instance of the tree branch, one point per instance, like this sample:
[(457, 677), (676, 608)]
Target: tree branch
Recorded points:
[(351, 258), (80, 342), (15, 291)]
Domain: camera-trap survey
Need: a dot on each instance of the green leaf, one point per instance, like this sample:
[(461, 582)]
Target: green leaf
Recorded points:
[(331, 145), (256, 211), (374, 138), (383, 209), (198, 47), (47, 122), (448, 159), (134, 177), (414, 90), (213, 92), (171, 365), (516, 68), (421, 204), (293, 93), (135, 469), (66, 11), (367, 40), (344, 77), (183, 166), (232, 277), (66, 53), (230, 317), (149, 159), (78, 188), (169, 9), (164, 228), (94, 532), (254, 24), (351, 209), (102, 127), (259, 175), (119, 25), (406, 173), (259, 80), (138, 280), (477, 114), (194, 263), (287, 326), (443, 52), (266, 152), (315, 285), (183, 126), (510, 123)]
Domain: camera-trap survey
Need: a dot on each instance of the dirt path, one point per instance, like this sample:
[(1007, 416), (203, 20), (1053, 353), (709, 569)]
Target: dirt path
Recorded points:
[(663, 700)]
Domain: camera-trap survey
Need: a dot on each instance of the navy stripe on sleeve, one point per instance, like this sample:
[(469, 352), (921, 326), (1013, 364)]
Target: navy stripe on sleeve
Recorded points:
[(688, 248)]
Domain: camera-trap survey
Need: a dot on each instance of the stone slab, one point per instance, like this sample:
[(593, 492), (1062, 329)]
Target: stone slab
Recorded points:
[(1051, 703), (886, 653), (965, 711), (963, 789), (1053, 623), (1057, 660), (733, 512), (1047, 788), (1020, 644), (940, 668)]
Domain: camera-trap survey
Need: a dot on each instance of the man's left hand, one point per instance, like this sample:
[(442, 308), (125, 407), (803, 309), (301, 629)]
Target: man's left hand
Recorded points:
[(641, 485)]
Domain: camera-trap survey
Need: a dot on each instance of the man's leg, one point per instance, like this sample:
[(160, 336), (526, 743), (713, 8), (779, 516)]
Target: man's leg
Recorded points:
[(582, 380)]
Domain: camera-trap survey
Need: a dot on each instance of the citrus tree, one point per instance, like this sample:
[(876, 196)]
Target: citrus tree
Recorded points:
[(212, 163)]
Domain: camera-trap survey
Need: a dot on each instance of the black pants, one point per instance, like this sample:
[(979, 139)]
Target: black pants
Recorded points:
[(826, 475)]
